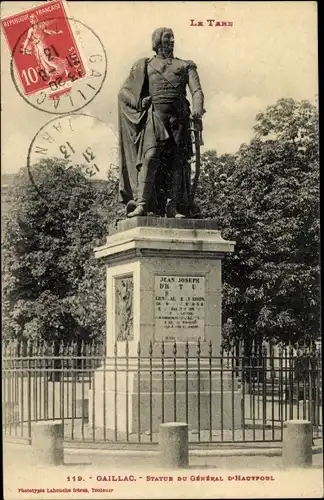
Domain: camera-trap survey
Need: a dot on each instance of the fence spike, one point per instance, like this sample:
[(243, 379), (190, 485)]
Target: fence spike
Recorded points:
[(198, 347), (271, 348), (210, 348), (313, 348), (265, 351), (298, 349), (64, 348), (11, 349), (5, 348), (237, 345), (41, 347), (162, 348), (22, 347), (37, 345), (18, 349), (232, 350), (28, 347), (61, 348), (102, 348)]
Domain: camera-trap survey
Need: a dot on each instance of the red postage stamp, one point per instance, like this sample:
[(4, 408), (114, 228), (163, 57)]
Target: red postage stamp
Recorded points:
[(44, 49)]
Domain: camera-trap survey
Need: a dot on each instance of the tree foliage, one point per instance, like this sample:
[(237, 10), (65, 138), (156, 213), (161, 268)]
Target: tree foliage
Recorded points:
[(52, 286), (266, 198)]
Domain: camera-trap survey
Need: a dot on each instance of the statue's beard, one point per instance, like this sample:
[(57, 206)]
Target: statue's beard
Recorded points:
[(166, 52)]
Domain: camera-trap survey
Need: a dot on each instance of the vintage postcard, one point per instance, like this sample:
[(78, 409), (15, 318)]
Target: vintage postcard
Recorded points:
[(160, 249)]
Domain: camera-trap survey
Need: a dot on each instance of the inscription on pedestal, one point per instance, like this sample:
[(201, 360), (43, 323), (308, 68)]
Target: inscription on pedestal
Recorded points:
[(179, 308), (124, 289)]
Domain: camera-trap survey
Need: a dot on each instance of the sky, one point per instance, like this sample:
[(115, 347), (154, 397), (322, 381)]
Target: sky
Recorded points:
[(270, 52)]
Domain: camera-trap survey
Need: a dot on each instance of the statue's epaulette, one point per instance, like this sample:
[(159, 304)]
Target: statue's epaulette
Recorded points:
[(191, 65)]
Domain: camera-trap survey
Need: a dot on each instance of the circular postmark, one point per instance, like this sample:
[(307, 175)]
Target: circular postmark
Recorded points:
[(69, 72), (77, 141)]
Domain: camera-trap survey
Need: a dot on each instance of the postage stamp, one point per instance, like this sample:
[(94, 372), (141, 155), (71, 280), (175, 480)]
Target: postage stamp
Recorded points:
[(81, 141), (49, 59), (45, 51)]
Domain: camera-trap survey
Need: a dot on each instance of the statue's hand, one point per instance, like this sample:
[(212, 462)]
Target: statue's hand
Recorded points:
[(197, 115), (146, 102)]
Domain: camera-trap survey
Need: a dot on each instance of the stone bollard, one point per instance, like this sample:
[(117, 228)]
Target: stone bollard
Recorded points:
[(173, 445), (297, 444), (47, 442)]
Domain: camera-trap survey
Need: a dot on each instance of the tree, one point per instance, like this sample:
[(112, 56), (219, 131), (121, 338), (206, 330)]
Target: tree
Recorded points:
[(266, 199), (291, 122), (53, 287)]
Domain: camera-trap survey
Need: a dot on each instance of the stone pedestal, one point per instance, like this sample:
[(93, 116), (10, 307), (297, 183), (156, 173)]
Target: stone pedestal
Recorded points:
[(163, 287)]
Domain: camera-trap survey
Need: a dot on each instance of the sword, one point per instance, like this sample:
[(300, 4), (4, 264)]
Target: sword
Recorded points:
[(197, 128)]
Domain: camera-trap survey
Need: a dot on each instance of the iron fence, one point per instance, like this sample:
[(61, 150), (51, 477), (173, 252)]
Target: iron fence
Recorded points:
[(122, 398)]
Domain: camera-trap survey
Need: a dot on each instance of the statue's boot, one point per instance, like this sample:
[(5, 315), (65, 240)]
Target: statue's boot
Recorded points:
[(130, 207), (145, 187), (171, 206), (138, 212), (172, 211)]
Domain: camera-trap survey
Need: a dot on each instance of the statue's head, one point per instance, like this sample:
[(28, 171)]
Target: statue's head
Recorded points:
[(163, 41)]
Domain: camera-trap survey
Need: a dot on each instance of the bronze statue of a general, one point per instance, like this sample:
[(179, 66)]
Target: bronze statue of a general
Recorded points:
[(154, 131)]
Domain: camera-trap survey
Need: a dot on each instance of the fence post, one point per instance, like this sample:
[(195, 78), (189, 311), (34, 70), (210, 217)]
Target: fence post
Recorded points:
[(297, 444), (173, 445)]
